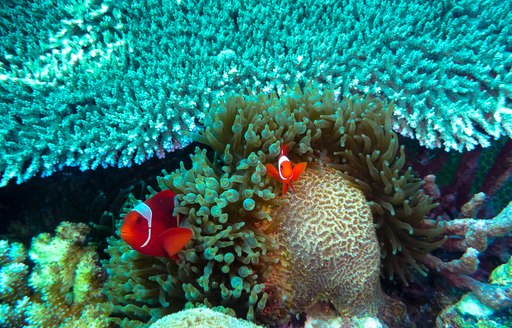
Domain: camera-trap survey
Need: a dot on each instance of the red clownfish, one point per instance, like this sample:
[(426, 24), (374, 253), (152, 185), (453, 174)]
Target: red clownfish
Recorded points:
[(151, 229), (288, 172)]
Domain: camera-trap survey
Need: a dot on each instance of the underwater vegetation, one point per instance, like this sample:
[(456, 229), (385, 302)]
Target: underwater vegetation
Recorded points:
[(100, 82)]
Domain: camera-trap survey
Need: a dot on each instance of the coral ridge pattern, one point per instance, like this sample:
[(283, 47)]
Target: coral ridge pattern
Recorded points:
[(330, 247)]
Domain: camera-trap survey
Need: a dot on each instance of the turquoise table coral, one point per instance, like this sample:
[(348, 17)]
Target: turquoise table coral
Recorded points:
[(114, 83)]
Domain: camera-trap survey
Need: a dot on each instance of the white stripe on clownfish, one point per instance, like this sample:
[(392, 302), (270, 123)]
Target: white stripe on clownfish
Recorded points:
[(147, 214), (282, 159)]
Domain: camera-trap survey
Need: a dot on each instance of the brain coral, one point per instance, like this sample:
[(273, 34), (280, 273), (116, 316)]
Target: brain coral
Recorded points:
[(329, 246)]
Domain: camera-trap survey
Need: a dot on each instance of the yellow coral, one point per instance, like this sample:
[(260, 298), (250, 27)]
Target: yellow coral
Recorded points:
[(328, 247), (502, 275), (66, 280), (201, 318)]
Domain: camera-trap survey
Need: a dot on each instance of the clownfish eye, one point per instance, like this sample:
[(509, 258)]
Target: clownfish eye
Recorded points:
[(139, 220)]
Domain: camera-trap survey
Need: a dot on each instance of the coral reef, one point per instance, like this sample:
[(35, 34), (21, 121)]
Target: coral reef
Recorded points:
[(14, 290), (112, 89), (239, 223), (201, 318), (328, 247), (79, 65), (473, 247), (67, 280), (64, 289), (488, 305), (460, 176), (354, 137), (470, 237)]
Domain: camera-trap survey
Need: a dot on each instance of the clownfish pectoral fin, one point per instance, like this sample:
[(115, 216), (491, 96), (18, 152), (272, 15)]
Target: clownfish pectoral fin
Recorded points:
[(298, 169), (272, 171), (174, 239)]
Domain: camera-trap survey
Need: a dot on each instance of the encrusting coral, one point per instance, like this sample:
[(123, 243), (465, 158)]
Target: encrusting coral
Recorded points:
[(236, 215)]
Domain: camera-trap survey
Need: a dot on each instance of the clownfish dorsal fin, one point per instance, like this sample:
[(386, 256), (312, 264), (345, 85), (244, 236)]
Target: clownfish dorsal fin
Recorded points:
[(284, 150), (145, 211), (174, 239)]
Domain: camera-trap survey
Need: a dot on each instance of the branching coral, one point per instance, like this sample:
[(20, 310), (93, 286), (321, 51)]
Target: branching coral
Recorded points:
[(468, 235), (488, 304), (64, 287), (70, 63), (113, 89), (481, 242), (13, 284), (471, 236), (66, 280)]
